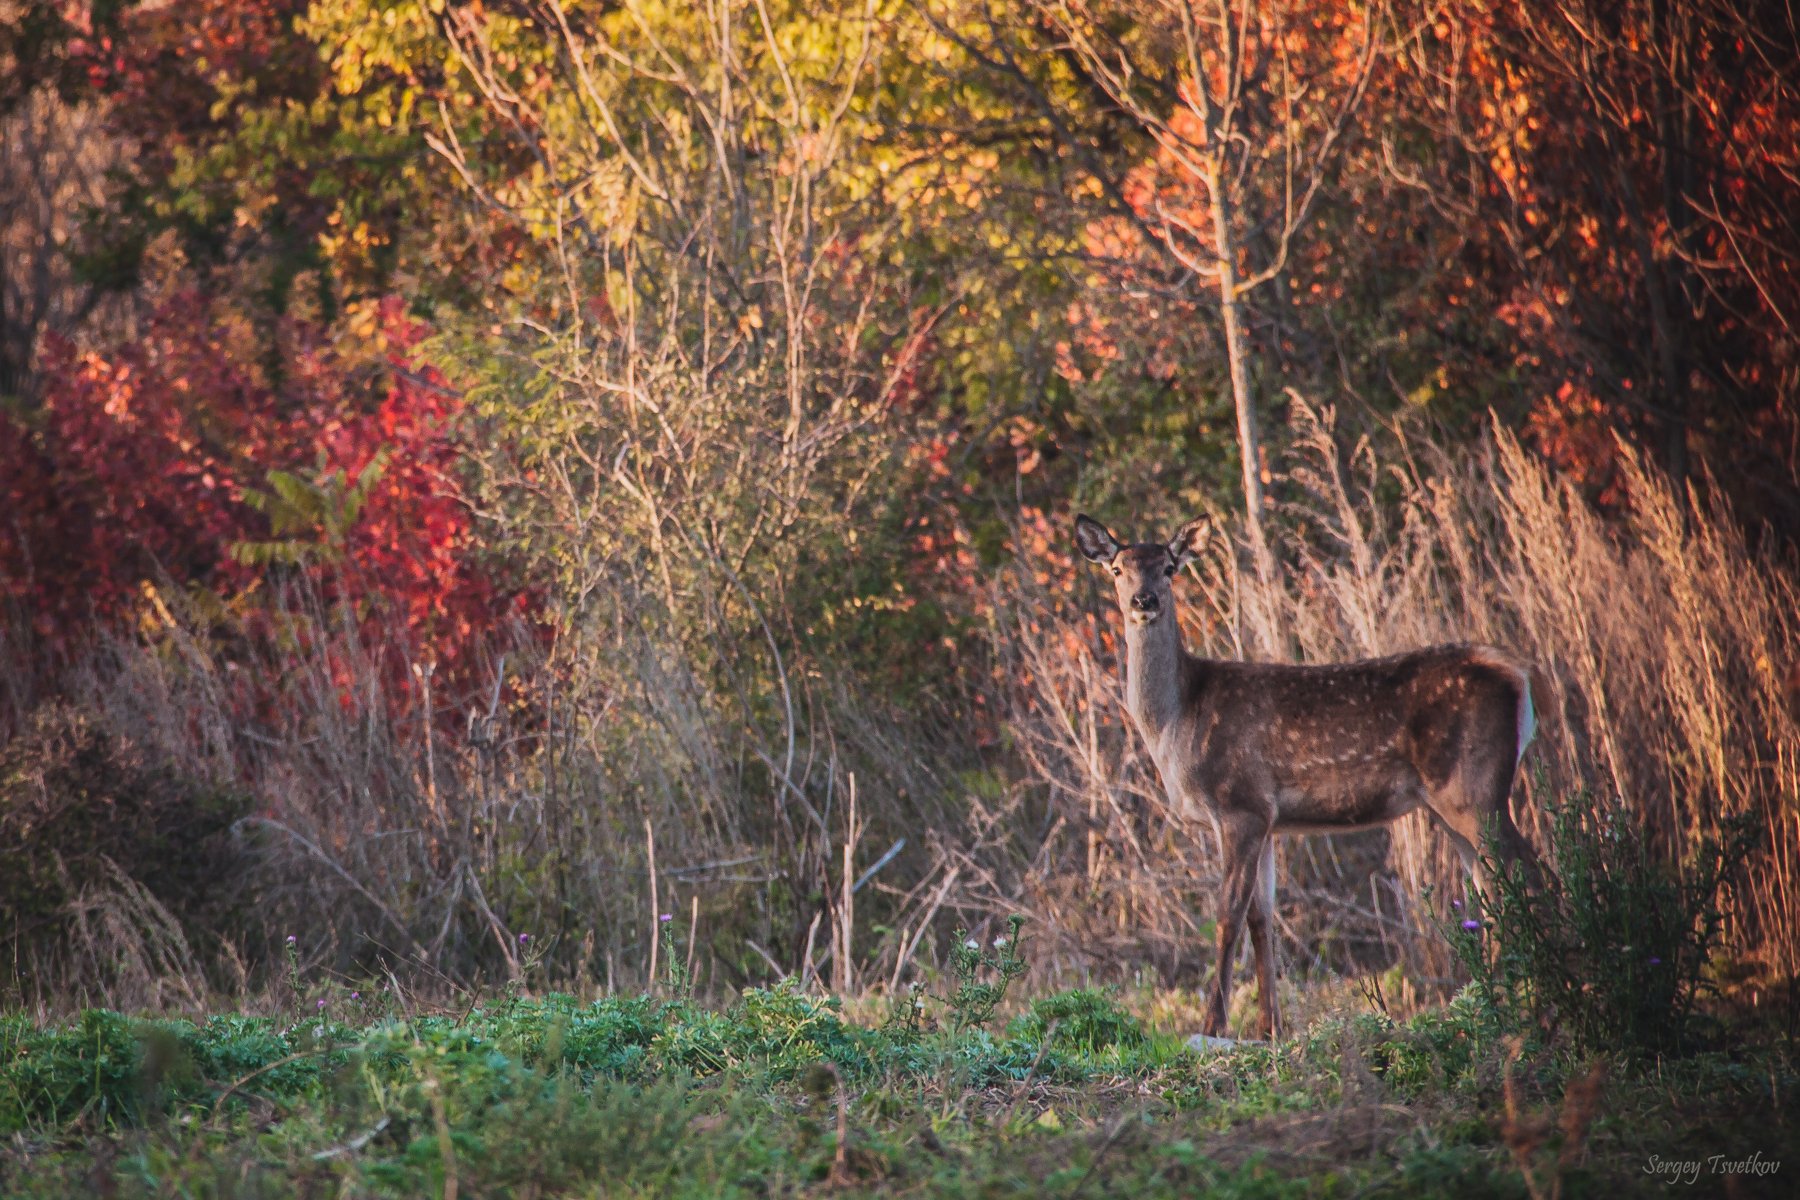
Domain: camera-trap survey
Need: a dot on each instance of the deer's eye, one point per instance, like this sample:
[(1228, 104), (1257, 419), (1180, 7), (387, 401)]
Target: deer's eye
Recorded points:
[(1169, 571)]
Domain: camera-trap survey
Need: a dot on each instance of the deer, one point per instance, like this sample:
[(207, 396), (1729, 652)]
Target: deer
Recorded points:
[(1267, 749)]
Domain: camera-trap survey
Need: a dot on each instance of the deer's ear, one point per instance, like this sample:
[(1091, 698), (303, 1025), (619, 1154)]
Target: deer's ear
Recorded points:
[(1095, 543), (1187, 544)]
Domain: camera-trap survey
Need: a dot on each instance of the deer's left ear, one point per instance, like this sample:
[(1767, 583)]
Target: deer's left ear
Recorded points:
[(1187, 544), (1093, 540)]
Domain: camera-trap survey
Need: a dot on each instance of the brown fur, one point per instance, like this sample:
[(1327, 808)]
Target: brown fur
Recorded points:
[(1270, 748)]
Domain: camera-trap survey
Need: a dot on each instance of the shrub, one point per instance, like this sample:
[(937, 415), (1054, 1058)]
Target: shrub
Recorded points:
[(1616, 953), (83, 813), (166, 461), (1086, 1019)]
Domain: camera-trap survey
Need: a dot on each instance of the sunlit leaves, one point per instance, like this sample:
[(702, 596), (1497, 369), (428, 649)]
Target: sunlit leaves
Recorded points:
[(165, 462)]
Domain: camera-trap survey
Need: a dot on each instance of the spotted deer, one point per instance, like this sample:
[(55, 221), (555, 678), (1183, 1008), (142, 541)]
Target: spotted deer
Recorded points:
[(1272, 748)]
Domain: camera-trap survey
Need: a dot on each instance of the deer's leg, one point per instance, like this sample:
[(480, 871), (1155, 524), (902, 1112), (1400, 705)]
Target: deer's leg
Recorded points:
[(1262, 939), (1473, 809), (1241, 839)]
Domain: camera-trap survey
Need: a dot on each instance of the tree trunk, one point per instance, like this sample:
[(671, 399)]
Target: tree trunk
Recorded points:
[(1237, 354)]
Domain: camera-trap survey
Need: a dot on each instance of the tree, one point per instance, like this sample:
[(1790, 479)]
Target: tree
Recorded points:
[(53, 160), (1623, 178), (1249, 111)]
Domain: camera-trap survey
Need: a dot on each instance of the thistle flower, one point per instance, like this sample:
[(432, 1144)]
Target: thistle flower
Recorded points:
[(999, 943), (972, 944), (1655, 961), (666, 918), (290, 939), (1471, 925), (523, 938)]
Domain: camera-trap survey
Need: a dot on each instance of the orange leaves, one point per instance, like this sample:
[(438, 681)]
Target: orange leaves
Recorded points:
[(1574, 431)]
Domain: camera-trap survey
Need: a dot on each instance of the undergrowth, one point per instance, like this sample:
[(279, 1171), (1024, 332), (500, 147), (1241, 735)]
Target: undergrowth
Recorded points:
[(781, 1094), (1619, 951)]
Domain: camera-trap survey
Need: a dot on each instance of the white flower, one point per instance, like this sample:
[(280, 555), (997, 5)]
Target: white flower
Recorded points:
[(972, 944), (999, 943)]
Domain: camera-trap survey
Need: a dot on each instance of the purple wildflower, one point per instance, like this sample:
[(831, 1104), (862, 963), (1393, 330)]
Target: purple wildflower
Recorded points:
[(290, 939), (1471, 925), (1655, 961), (1457, 904), (321, 1002), (523, 938), (666, 918)]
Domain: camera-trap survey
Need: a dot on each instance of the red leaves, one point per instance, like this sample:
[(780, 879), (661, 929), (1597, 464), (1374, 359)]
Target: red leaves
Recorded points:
[(142, 463), (123, 483)]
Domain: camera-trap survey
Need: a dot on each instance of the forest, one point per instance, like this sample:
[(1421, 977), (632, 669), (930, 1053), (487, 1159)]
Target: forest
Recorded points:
[(549, 524)]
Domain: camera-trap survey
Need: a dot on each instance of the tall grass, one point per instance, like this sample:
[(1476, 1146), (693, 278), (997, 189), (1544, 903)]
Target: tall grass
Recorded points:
[(577, 790), (1661, 638)]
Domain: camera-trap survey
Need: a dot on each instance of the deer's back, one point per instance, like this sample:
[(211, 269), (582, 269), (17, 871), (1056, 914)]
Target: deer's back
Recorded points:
[(1344, 745)]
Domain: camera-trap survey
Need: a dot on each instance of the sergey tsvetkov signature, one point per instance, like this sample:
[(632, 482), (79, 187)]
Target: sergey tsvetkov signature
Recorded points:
[(1688, 1170)]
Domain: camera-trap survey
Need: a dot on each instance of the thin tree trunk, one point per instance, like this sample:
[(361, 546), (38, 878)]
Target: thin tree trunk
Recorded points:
[(1237, 354)]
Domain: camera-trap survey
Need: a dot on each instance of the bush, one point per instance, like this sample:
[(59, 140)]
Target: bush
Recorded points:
[(84, 815), (1616, 953), (1086, 1019)]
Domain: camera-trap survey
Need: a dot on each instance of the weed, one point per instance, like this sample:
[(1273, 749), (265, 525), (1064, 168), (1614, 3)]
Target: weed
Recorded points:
[(1617, 953), (975, 999), (681, 983), (1087, 1020)]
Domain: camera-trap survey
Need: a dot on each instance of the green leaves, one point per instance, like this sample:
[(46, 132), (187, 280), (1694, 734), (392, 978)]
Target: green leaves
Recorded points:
[(1620, 949), (311, 519)]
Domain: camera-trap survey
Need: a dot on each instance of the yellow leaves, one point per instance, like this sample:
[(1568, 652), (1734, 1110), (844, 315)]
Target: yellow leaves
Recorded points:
[(358, 241), (1430, 389), (153, 615), (364, 330), (362, 39)]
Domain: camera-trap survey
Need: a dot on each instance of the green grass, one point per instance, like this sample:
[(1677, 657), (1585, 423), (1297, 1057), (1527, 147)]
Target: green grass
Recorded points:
[(646, 1097)]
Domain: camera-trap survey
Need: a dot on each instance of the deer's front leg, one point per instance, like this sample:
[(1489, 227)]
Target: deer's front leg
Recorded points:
[(1242, 836)]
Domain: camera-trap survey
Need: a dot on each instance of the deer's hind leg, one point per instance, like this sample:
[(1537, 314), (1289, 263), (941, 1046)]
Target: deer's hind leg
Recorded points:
[(1472, 808), (1262, 939), (1243, 837), (1469, 767)]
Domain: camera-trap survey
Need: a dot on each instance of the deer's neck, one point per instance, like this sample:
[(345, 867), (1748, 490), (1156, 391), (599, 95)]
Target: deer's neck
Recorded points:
[(1153, 674)]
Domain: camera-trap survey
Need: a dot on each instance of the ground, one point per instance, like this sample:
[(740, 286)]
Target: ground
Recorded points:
[(782, 1094)]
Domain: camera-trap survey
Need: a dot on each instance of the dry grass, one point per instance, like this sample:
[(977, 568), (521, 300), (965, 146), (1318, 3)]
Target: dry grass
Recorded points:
[(1662, 642), (389, 840)]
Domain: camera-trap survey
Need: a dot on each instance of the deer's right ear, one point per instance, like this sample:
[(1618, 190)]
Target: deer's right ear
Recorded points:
[(1095, 543), (1187, 544)]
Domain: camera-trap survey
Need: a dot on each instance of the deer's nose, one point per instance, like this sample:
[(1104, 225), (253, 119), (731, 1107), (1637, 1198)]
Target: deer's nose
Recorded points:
[(1145, 602)]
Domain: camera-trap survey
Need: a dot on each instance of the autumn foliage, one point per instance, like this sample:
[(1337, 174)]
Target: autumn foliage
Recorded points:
[(167, 463), (772, 348)]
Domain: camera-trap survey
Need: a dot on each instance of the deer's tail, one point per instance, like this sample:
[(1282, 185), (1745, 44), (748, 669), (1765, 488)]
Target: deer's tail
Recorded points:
[(1527, 716), (1525, 720)]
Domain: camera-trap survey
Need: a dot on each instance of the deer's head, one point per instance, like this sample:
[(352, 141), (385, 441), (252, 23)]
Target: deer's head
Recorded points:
[(1142, 573)]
